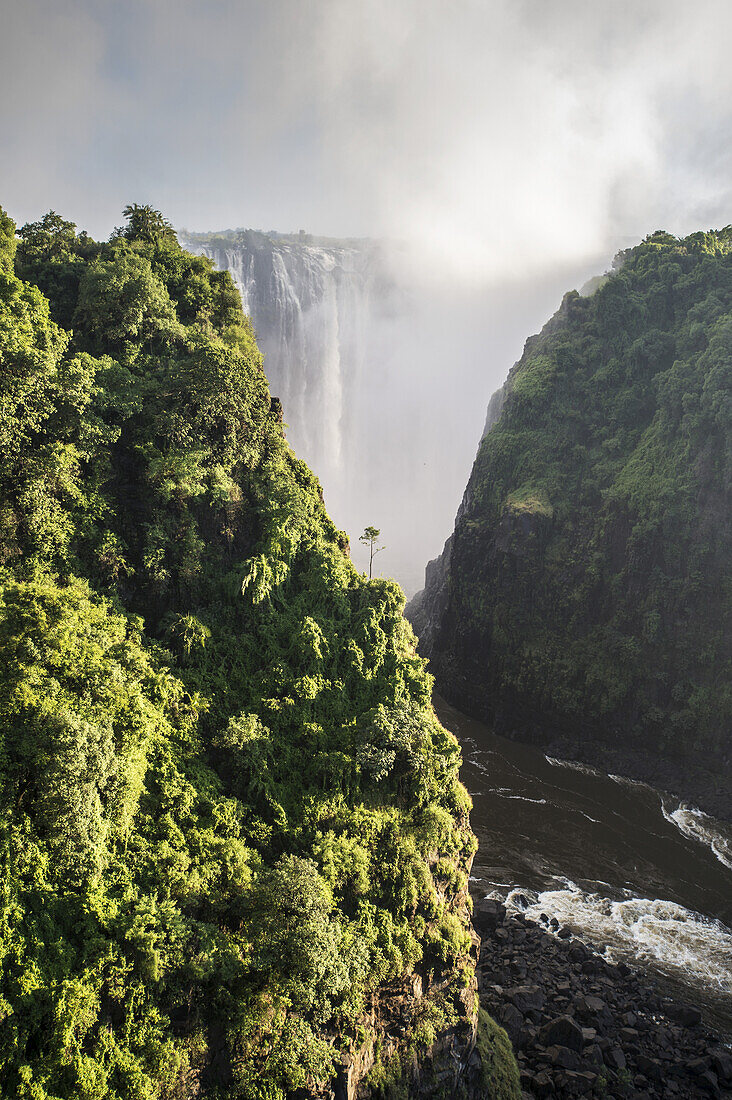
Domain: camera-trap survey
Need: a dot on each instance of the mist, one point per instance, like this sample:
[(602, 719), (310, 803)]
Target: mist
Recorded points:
[(436, 362), (384, 369), (509, 146)]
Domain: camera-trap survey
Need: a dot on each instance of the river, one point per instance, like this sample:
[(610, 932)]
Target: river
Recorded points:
[(633, 871)]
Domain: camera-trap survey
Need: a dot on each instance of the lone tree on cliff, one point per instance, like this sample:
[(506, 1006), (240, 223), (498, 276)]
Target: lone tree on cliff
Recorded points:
[(368, 538)]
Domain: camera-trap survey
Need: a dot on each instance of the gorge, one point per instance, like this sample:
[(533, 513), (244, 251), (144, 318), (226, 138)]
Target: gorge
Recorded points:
[(238, 851), (611, 374), (383, 366)]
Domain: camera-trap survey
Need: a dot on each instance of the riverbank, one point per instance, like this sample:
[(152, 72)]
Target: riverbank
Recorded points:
[(581, 1026)]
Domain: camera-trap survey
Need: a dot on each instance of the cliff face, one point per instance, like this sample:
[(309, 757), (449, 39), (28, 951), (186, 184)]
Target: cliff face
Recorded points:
[(234, 843), (583, 600)]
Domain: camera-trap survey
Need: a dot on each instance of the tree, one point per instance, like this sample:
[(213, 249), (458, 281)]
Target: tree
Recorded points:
[(368, 538), (7, 242), (51, 238), (144, 223), (123, 303)]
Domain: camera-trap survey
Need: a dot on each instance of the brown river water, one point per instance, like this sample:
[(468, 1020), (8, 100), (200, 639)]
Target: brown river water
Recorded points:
[(633, 871)]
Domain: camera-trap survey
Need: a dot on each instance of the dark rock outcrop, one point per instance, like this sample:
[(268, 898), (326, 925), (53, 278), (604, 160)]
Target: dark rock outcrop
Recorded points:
[(582, 602)]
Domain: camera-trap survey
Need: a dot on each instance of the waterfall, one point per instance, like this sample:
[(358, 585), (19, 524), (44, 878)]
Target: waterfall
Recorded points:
[(311, 306), (370, 365)]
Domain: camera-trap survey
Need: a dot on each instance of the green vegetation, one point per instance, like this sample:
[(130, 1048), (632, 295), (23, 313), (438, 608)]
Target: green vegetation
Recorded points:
[(227, 811), (500, 1075), (370, 538), (589, 580)]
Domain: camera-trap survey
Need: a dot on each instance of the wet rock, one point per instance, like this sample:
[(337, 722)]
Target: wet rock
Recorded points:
[(562, 1031), (564, 934), (488, 914), (686, 1015), (567, 1020)]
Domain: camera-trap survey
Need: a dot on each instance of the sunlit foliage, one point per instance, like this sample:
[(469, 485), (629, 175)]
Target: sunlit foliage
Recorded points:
[(223, 790)]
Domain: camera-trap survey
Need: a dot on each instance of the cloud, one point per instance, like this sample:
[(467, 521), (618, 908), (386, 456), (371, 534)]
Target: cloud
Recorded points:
[(498, 136), (512, 144)]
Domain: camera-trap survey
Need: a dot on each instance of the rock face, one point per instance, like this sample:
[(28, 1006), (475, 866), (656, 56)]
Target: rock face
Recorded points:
[(582, 601), (583, 1027)]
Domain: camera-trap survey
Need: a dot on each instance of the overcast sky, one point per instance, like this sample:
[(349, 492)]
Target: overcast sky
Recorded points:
[(503, 136)]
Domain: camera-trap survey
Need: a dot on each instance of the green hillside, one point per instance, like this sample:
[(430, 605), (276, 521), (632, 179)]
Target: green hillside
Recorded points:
[(584, 599), (230, 823)]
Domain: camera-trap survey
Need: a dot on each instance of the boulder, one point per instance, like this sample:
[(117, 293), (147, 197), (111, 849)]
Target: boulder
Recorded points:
[(649, 1067), (615, 1059), (512, 1020), (562, 1031), (686, 1015), (564, 1058), (527, 998), (488, 914), (543, 1085), (722, 1064), (589, 1006)]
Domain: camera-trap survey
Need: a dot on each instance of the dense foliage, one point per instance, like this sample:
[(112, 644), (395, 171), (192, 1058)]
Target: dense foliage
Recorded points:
[(588, 585), (227, 811)]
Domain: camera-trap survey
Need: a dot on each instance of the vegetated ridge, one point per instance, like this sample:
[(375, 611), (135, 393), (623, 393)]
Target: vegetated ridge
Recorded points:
[(584, 598), (234, 843)]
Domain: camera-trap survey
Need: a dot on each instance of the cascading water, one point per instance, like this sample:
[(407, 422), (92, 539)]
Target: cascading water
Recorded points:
[(316, 310), (367, 363), (312, 307)]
